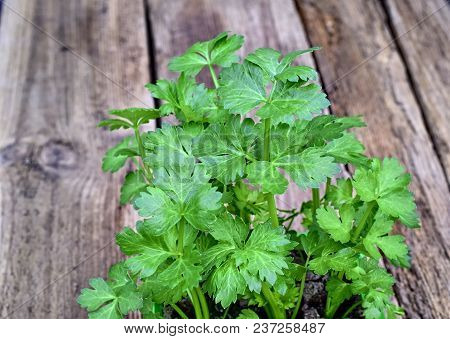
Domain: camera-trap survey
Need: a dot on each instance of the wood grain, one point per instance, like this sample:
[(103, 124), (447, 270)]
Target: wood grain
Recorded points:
[(426, 51), (362, 80), (58, 211), (180, 23)]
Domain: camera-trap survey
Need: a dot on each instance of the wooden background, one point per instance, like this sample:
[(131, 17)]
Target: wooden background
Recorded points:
[(64, 63)]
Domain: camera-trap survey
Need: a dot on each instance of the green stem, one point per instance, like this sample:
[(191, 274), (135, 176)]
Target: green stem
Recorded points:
[(288, 211), (226, 312), (327, 306), (272, 206), (141, 149), (203, 302), (327, 186), (179, 311), (276, 312), (363, 220), (272, 209), (315, 202), (268, 312), (181, 236), (213, 76), (302, 288), (266, 154), (290, 224), (196, 304), (351, 308), (329, 312), (292, 216)]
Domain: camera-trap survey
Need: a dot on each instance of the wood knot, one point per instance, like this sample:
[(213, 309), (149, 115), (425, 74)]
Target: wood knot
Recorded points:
[(57, 155)]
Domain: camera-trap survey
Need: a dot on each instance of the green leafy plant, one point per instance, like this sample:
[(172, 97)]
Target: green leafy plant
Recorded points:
[(211, 235)]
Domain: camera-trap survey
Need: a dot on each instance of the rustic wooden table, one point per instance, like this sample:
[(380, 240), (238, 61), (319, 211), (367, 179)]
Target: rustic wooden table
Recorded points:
[(64, 63)]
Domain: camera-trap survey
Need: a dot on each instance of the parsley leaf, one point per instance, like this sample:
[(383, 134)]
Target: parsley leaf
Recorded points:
[(134, 184), (171, 146), (243, 88), (268, 60), (189, 101), (338, 292), (245, 263), (342, 193), (223, 148), (309, 168), (342, 260), (113, 159), (113, 298), (130, 118), (247, 314), (339, 227), (393, 246), (288, 101), (226, 283), (218, 51), (265, 174), (179, 194), (387, 183), (149, 251), (182, 275)]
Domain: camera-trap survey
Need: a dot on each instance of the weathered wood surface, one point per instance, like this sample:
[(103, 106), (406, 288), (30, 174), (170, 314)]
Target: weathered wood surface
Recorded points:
[(379, 90), (426, 51), (58, 211), (57, 208)]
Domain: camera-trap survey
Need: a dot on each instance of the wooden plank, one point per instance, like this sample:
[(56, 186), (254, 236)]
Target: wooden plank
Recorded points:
[(58, 211), (379, 89), (178, 24), (426, 52)]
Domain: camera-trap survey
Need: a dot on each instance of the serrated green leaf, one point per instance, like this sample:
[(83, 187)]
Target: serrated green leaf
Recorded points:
[(339, 227), (159, 211), (183, 193), (342, 260), (266, 175), (223, 148), (268, 60), (148, 252), (229, 229), (393, 246), (346, 149), (342, 193), (309, 168), (247, 314), (113, 124), (263, 256), (297, 73), (92, 299), (338, 291), (218, 51), (225, 284), (112, 299), (171, 146), (187, 99), (242, 87), (182, 275), (130, 118), (387, 183), (400, 204), (134, 184), (111, 161), (287, 101)]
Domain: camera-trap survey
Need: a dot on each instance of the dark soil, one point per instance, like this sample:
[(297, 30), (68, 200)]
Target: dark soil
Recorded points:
[(313, 304)]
